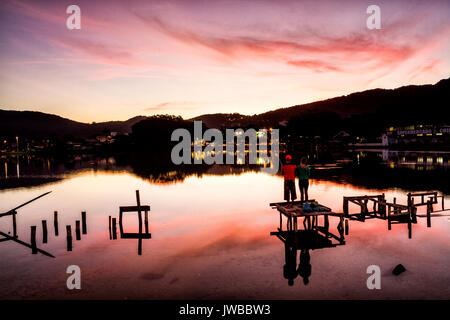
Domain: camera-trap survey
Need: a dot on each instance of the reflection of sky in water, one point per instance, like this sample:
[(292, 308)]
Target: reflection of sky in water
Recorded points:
[(210, 239)]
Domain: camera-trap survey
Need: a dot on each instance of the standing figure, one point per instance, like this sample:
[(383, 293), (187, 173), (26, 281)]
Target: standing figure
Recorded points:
[(288, 171), (303, 172)]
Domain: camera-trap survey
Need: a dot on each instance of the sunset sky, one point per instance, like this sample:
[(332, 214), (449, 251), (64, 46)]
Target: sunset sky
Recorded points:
[(139, 57)]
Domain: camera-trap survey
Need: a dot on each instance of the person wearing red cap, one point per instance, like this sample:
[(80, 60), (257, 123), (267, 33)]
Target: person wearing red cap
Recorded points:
[(288, 170)]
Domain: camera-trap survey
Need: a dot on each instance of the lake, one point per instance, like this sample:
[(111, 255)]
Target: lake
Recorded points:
[(210, 230)]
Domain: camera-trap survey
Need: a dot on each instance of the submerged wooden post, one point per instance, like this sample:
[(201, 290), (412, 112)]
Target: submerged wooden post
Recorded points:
[(83, 222), (114, 229), (44, 231), (69, 238), (33, 240), (346, 227), (429, 210), (55, 222), (77, 230)]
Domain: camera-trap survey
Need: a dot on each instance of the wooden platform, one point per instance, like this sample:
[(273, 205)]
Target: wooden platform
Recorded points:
[(295, 209)]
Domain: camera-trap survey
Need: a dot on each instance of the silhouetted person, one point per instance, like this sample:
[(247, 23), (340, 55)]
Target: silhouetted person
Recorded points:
[(290, 252), (303, 172), (304, 267), (288, 171)]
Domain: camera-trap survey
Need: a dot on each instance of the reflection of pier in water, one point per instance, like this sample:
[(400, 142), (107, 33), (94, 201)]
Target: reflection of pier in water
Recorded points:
[(15, 238), (313, 236), (80, 228), (139, 209)]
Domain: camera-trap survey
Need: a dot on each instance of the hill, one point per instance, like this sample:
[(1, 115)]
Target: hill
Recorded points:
[(39, 124), (362, 113), (404, 105)]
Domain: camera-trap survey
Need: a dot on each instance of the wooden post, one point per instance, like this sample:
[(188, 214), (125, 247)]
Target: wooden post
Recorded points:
[(382, 205), (345, 206), (429, 209), (44, 231), (346, 227), (55, 222), (413, 211), (442, 202), (409, 228), (138, 200), (281, 222), (114, 229), (363, 209), (69, 238), (146, 222), (77, 230), (14, 224), (341, 228), (410, 213), (110, 233), (409, 198), (395, 200), (83, 222), (326, 222), (33, 240), (389, 218)]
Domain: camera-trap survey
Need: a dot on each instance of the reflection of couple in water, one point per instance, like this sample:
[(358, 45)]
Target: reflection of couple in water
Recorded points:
[(290, 270)]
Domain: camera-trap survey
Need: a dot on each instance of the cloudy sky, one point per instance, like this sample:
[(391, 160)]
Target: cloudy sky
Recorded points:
[(140, 57)]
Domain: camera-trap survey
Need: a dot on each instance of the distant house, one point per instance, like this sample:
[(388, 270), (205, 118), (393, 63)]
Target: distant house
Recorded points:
[(421, 134)]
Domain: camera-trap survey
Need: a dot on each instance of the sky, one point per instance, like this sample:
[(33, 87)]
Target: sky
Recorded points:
[(141, 57)]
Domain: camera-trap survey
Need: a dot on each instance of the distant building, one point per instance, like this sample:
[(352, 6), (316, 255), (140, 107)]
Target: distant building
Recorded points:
[(417, 135)]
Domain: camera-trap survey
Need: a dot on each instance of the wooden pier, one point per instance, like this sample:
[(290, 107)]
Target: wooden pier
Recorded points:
[(369, 207), (294, 210), (376, 206)]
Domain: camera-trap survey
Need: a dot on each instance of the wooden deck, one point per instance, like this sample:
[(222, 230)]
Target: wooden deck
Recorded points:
[(294, 210)]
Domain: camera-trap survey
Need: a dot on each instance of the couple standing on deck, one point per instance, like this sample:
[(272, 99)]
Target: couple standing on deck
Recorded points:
[(290, 171)]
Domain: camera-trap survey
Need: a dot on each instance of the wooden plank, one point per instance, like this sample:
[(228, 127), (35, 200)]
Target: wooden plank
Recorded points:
[(273, 204), (134, 208), (137, 235), (23, 204)]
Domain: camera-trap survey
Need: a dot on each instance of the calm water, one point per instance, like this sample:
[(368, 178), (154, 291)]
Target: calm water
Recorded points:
[(210, 232)]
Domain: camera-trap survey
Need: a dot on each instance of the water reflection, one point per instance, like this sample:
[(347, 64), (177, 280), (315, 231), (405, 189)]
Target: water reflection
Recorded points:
[(212, 227), (313, 237), (138, 209)]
